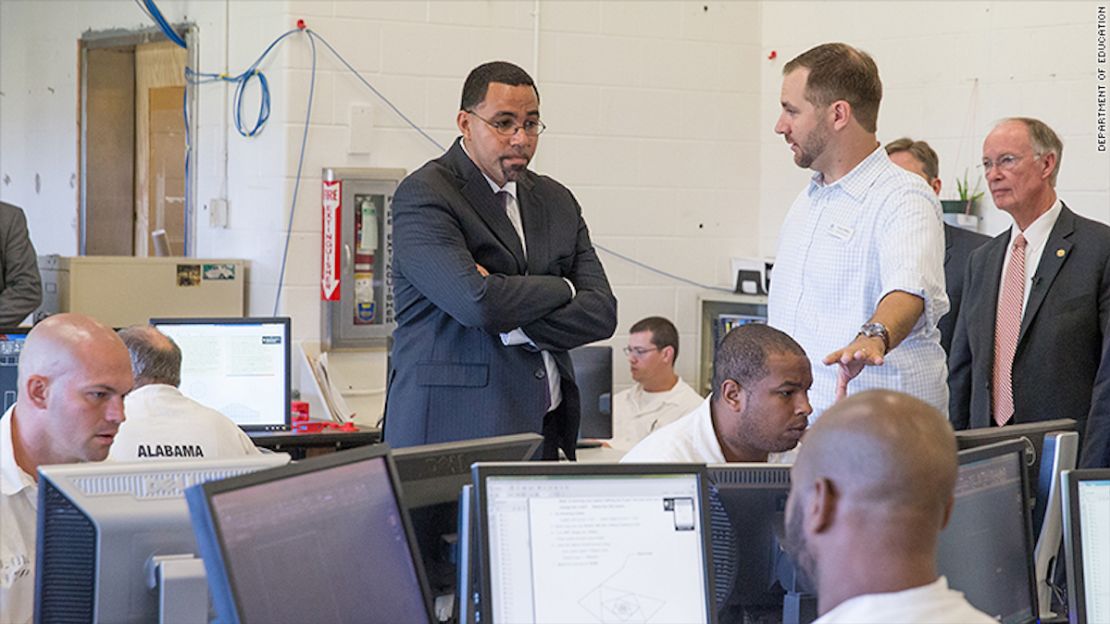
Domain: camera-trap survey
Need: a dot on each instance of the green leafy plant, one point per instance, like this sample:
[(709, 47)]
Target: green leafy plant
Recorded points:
[(967, 194)]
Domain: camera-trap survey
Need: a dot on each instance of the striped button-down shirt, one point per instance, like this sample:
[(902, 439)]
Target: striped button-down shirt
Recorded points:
[(842, 248)]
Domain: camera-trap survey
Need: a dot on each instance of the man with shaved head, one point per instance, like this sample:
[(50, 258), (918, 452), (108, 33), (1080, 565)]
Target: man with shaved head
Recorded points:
[(871, 490), (163, 423), (73, 375)]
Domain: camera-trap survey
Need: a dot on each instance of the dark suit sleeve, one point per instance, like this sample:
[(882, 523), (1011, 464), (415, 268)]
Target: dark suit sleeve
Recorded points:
[(959, 366), (430, 248), (22, 284), (591, 315), (1096, 439)]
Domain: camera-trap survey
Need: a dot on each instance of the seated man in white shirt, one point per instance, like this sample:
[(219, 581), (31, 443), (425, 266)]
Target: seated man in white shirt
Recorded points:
[(163, 423), (73, 374), (660, 396), (870, 492), (758, 410)]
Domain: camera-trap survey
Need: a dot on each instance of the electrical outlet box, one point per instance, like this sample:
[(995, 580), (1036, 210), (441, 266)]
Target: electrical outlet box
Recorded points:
[(217, 213)]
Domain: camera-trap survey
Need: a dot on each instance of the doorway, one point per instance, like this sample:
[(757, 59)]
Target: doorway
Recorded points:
[(132, 142)]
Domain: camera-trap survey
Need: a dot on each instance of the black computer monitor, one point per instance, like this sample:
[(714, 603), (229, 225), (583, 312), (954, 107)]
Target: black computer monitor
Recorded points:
[(100, 525), (432, 476), (323, 540), (747, 507), (986, 551), (594, 543), (1033, 432), (1087, 544), (593, 372), (237, 366), (11, 344)]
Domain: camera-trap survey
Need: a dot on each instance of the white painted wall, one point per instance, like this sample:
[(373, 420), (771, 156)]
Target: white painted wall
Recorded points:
[(645, 105), (660, 115), (950, 70)]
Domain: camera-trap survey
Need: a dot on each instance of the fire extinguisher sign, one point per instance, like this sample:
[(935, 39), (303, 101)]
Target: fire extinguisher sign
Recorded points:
[(332, 205)]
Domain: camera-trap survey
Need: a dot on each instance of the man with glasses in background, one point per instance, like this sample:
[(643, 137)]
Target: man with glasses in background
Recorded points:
[(1031, 340), (659, 396), (494, 280)]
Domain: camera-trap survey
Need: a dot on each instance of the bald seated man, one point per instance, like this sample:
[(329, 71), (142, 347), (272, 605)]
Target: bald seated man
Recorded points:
[(871, 490), (73, 375), (163, 423)]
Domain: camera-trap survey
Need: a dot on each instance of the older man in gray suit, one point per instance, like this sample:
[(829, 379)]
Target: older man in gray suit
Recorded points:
[(1032, 341), (20, 283), (495, 279)]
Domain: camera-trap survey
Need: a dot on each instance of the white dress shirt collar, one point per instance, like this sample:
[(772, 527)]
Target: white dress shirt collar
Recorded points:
[(1036, 237), (856, 182), (12, 477)]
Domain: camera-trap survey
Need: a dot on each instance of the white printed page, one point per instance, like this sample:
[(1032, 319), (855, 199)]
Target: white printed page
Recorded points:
[(616, 559)]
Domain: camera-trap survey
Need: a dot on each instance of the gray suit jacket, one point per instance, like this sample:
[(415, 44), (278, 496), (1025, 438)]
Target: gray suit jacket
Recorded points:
[(452, 378), (20, 282), (958, 245), (1062, 364)]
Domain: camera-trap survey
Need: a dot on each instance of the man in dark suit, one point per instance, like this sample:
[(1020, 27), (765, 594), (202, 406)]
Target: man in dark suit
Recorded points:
[(1031, 341), (20, 282), (917, 157), (494, 279)]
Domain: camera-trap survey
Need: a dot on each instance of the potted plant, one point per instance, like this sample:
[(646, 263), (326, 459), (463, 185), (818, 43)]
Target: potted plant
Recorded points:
[(968, 197)]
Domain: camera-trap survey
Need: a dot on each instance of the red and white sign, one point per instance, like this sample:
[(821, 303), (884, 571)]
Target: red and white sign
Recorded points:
[(332, 210)]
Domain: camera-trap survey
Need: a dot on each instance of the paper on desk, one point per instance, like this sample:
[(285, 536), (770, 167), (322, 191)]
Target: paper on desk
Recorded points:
[(337, 405)]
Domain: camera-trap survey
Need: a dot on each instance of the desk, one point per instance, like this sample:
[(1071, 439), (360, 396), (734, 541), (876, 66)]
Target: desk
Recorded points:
[(302, 445)]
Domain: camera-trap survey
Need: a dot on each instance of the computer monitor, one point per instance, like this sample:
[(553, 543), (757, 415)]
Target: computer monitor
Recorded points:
[(11, 344), (237, 366), (100, 525), (1058, 454), (322, 540), (593, 543), (748, 507), (593, 372), (1087, 544), (1034, 432), (986, 551), (431, 477)]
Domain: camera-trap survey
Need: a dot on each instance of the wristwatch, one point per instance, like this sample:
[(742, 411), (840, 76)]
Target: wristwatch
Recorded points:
[(873, 329)]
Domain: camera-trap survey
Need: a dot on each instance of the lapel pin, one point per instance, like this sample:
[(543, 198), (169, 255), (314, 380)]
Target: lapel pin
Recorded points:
[(1060, 253)]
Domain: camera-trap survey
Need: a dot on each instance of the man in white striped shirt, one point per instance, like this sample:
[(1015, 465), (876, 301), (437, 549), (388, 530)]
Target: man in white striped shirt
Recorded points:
[(859, 276)]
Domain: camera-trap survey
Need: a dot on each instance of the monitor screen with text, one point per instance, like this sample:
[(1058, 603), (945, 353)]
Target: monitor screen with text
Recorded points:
[(322, 540), (237, 366), (577, 548), (1087, 543)]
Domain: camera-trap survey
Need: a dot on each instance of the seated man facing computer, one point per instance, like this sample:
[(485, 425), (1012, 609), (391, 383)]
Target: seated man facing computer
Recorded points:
[(870, 492), (659, 396), (73, 375), (163, 423), (757, 412)]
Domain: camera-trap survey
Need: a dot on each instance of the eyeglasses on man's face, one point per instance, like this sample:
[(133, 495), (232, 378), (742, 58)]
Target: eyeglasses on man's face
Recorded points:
[(507, 126), (639, 352), (1005, 162)]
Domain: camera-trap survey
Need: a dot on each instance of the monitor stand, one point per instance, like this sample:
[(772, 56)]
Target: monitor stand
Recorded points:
[(182, 589)]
